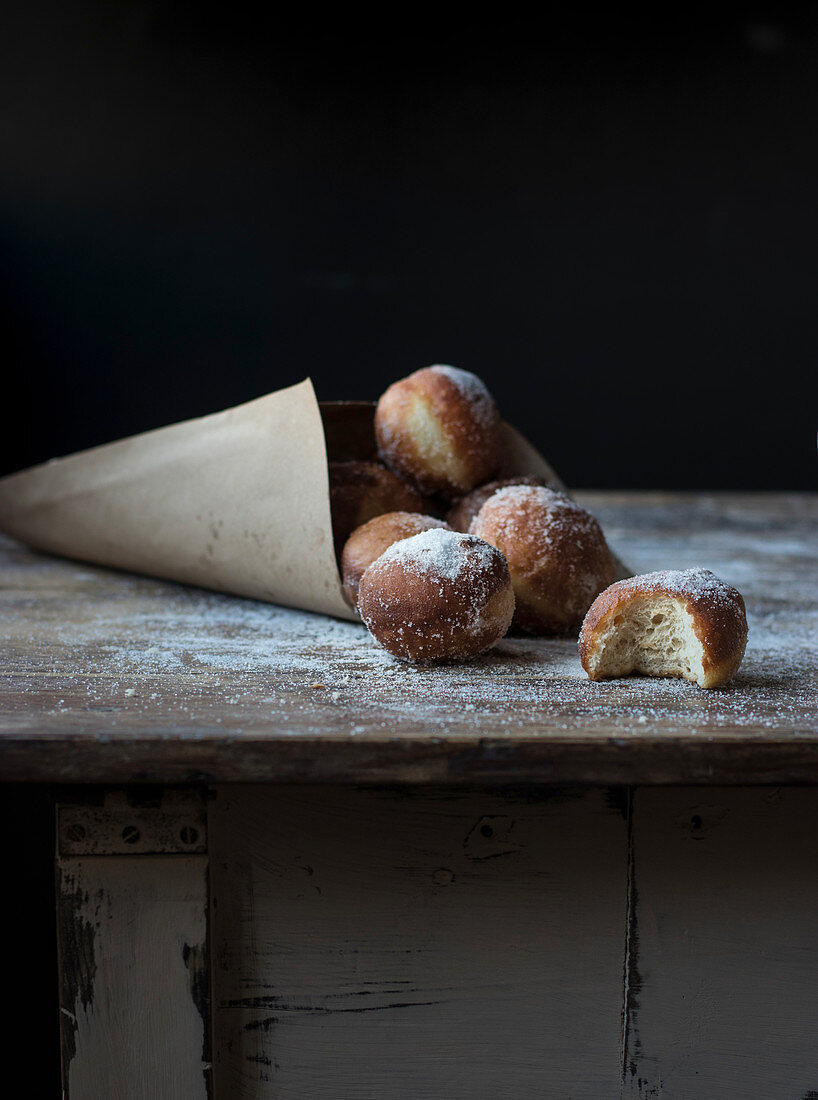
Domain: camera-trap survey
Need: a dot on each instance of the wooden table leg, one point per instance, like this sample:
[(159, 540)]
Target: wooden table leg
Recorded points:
[(132, 906)]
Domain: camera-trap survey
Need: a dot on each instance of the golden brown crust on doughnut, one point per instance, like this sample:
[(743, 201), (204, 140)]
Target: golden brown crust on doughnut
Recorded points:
[(369, 541), (440, 428), (440, 595), (556, 552), (719, 619), (359, 491), (461, 515)]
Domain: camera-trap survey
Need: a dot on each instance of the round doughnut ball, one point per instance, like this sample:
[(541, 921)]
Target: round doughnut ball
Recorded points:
[(371, 539), (438, 596), (359, 491), (461, 514), (556, 552), (440, 428), (678, 622)]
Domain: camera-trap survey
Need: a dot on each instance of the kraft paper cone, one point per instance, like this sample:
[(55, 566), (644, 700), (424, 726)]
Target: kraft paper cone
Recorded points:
[(237, 501)]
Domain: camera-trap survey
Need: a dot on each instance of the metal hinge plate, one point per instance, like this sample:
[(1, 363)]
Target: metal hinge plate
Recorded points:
[(177, 827)]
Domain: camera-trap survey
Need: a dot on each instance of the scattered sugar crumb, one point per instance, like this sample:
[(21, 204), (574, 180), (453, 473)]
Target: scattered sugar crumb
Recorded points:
[(188, 652)]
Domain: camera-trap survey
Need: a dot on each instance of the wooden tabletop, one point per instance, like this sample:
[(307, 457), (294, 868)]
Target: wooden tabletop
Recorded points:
[(110, 677)]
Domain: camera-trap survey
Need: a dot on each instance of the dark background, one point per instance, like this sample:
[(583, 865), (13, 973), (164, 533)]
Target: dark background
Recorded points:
[(614, 222)]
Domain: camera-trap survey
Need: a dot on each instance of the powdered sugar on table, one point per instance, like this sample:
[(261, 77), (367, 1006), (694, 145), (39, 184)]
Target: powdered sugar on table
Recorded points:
[(94, 653)]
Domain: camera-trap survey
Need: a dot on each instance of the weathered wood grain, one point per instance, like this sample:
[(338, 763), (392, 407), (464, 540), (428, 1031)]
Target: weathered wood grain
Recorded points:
[(723, 965), (109, 677), (133, 976), (372, 944)]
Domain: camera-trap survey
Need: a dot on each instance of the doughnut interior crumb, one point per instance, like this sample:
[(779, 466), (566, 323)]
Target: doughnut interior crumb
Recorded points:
[(654, 637), (673, 623)]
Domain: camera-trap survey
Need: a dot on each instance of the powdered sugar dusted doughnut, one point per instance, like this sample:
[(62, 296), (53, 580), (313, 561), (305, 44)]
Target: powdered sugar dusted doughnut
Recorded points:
[(437, 596), (684, 623), (462, 514), (370, 540), (556, 552), (440, 428), (361, 490)]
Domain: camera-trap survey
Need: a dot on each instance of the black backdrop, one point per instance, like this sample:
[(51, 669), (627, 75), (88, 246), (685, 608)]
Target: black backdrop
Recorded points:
[(614, 223)]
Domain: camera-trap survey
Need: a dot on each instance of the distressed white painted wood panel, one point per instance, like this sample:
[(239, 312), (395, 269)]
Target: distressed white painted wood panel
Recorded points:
[(402, 943), (132, 958), (723, 971)]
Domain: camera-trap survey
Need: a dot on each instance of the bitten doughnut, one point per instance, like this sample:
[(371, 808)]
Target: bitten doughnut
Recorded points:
[(371, 539), (684, 623), (556, 552), (460, 516), (361, 490), (440, 595), (440, 428)]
